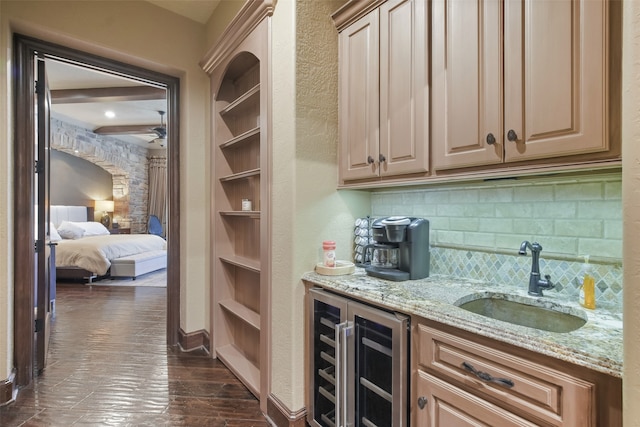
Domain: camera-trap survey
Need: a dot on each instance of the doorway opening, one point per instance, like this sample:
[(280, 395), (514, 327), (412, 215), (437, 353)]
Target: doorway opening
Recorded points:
[(26, 52)]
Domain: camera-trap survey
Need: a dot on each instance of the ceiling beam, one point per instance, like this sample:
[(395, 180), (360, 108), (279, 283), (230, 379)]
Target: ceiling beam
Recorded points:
[(126, 130), (107, 94)]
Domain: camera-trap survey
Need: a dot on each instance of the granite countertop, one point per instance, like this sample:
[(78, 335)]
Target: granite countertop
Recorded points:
[(597, 345)]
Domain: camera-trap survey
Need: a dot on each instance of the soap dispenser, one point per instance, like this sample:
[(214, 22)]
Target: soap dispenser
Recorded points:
[(588, 288)]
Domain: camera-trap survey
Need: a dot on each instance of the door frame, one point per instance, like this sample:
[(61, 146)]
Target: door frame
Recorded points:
[(25, 49)]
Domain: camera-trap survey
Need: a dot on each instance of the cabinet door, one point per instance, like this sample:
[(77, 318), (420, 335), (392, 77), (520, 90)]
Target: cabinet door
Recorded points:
[(555, 78), (448, 406), (467, 83), (404, 90), (359, 98)]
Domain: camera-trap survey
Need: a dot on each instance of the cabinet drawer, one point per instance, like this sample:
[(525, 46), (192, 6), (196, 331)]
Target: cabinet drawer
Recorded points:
[(531, 388), (446, 405)]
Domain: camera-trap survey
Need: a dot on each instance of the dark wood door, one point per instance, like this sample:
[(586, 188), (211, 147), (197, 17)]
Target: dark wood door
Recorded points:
[(43, 251)]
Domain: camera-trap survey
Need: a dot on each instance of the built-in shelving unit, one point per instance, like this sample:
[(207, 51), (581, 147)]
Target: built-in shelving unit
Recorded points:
[(240, 279), (238, 175)]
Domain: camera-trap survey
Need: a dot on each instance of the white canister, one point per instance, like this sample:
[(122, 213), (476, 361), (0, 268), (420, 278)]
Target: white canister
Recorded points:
[(246, 205), (329, 253)]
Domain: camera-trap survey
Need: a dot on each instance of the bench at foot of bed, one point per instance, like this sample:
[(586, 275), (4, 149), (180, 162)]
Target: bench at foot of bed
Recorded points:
[(139, 264)]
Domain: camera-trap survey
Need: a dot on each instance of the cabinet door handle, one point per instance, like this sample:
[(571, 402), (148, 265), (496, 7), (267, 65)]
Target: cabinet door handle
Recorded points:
[(512, 135), (382, 158), (422, 402), (491, 139), (370, 160), (342, 332), (487, 377)]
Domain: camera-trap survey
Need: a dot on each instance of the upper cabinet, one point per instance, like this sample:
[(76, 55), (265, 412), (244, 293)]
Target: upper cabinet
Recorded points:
[(517, 81), (384, 91)]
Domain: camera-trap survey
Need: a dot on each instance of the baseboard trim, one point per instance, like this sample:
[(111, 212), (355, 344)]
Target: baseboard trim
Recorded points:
[(8, 390), (194, 340), (281, 416)]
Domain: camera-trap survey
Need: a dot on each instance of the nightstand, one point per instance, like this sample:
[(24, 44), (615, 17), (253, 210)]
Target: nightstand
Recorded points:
[(120, 231)]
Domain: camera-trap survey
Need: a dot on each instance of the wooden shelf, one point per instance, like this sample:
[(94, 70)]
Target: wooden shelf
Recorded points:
[(240, 175), (238, 261), (243, 313), (236, 361), (241, 100), (244, 137), (245, 214)]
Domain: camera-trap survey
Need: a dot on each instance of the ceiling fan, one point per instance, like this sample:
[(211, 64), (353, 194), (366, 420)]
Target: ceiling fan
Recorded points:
[(161, 131)]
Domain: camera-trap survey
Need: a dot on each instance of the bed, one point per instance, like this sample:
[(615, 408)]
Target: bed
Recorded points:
[(85, 249)]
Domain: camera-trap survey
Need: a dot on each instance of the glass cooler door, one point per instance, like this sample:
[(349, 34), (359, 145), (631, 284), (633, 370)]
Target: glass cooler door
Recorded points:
[(380, 353), (328, 312)]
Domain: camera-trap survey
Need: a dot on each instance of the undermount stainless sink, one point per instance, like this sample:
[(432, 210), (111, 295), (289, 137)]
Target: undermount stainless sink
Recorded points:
[(529, 312)]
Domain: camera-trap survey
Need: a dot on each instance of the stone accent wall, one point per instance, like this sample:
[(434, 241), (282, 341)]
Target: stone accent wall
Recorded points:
[(127, 164)]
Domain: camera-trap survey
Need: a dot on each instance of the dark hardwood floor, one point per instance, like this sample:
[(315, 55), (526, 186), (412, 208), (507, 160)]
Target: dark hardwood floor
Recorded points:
[(109, 366)]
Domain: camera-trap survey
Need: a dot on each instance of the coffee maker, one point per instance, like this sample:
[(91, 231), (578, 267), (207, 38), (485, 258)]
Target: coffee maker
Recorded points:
[(401, 249)]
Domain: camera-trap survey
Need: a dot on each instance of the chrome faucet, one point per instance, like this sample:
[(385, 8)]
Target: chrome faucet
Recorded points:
[(536, 284)]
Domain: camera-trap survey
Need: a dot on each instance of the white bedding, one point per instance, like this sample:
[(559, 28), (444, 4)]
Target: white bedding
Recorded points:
[(94, 253)]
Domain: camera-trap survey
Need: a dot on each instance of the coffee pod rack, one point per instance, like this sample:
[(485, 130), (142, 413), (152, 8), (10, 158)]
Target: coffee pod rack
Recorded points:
[(362, 238)]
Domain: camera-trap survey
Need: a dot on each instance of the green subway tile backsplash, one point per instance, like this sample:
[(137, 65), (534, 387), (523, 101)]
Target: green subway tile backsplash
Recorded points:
[(476, 226)]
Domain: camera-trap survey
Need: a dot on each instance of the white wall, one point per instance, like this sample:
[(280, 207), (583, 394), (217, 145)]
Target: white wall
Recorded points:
[(141, 34), (6, 216), (631, 210)]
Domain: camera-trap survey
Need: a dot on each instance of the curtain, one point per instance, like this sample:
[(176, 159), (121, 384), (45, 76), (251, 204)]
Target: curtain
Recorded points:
[(158, 188)]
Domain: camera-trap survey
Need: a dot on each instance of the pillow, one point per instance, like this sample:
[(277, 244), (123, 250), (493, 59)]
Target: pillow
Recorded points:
[(54, 236), (92, 228), (69, 230)]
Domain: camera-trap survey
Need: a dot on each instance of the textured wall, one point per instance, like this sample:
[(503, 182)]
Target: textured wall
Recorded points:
[(127, 163), (631, 211), (306, 208)]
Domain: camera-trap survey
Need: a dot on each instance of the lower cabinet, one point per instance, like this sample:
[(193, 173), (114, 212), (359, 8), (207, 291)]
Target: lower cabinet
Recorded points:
[(461, 379)]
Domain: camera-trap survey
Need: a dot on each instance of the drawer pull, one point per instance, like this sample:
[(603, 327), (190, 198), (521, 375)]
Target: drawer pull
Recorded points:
[(487, 377)]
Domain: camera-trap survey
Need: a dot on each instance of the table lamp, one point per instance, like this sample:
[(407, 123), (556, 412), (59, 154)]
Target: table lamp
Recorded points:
[(105, 206)]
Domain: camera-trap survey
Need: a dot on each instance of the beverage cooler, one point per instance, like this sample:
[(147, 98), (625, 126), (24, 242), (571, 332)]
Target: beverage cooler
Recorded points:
[(358, 364)]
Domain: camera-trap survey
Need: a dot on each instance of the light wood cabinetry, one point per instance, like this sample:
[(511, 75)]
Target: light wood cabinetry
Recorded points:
[(461, 379), (240, 279), (383, 90), (517, 81), (446, 405)]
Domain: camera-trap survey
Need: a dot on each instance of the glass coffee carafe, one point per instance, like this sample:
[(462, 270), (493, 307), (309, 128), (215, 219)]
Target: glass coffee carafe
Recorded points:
[(383, 256)]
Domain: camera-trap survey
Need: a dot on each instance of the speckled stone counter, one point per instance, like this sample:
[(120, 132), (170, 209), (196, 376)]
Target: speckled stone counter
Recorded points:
[(597, 345)]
